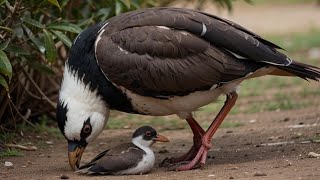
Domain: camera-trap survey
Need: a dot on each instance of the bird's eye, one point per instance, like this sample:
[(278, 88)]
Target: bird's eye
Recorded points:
[(87, 129), (148, 133)]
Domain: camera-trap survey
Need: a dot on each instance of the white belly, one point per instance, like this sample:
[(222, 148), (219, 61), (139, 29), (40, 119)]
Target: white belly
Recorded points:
[(183, 105), (178, 104)]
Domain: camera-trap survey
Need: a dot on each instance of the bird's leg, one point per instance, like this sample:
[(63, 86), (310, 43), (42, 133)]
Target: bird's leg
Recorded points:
[(202, 153), (198, 132)]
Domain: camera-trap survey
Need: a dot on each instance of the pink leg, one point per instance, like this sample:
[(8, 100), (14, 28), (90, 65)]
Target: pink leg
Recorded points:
[(198, 132), (201, 155)]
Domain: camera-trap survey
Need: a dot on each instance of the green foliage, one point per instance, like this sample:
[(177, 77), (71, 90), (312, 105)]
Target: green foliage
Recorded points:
[(297, 41), (10, 153), (42, 127), (35, 36)]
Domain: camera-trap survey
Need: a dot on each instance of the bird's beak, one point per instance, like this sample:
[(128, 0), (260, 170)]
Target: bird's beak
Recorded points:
[(75, 151), (160, 138)]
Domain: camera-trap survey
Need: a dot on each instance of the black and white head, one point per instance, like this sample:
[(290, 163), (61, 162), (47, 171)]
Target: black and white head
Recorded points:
[(81, 114), (145, 136)]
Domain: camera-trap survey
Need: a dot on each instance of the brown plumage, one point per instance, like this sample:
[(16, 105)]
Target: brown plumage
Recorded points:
[(160, 51)]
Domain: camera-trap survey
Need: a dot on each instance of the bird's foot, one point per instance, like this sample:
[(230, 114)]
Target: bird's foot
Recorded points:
[(184, 159), (193, 159), (197, 162)]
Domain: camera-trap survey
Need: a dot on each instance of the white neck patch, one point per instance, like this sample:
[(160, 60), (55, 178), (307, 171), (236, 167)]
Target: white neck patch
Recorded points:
[(141, 143), (82, 103)]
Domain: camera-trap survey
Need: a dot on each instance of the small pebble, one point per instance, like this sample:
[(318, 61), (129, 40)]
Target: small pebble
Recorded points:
[(231, 177), (234, 168), (296, 136), (49, 142), (259, 173), (63, 176), (286, 119), (313, 155), (8, 164), (211, 175), (163, 151)]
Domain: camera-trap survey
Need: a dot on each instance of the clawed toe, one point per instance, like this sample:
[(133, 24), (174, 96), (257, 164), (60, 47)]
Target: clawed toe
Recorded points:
[(166, 162)]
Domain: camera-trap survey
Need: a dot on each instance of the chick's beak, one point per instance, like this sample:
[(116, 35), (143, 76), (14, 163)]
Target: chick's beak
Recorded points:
[(160, 138), (75, 151)]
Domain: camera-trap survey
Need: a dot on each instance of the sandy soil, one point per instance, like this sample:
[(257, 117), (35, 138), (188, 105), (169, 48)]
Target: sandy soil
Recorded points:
[(273, 144)]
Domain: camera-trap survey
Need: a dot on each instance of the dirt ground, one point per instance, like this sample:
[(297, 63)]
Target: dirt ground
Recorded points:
[(269, 145)]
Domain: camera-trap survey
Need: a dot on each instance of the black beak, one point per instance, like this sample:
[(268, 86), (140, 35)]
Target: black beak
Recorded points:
[(75, 151)]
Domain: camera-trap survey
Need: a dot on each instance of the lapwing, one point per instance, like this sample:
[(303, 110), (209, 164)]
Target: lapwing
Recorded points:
[(162, 61)]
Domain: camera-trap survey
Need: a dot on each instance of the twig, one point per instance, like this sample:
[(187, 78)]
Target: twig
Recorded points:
[(38, 88), (26, 120), (12, 10), (17, 146), (32, 95), (13, 116)]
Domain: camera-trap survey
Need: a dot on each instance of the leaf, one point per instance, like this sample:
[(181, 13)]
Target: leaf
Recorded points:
[(6, 28), (5, 65), (62, 38), (17, 50), (118, 7), (33, 22), (35, 40), (127, 3), (4, 83), (41, 67), (56, 3), (103, 13), (2, 1), (49, 46), (4, 44), (65, 27)]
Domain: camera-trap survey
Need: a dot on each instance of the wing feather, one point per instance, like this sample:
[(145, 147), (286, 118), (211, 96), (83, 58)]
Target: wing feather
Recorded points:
[(164, 51)]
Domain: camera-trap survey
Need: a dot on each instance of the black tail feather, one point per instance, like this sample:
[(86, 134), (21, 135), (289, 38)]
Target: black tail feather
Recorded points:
[(302, 70)]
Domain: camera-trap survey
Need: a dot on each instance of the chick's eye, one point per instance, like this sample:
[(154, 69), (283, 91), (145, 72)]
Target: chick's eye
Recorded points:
[(87, 129), (148, 133)]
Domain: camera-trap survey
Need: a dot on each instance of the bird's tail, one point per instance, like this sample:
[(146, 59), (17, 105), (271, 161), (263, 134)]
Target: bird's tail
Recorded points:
[(84, 170), (302, 70), (87, 168)]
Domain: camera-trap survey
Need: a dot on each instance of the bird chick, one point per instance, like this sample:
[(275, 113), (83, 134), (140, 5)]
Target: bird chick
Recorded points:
[(136, 157)]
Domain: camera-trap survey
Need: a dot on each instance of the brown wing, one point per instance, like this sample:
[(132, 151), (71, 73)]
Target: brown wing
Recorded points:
[(164, 51), (116, 159)]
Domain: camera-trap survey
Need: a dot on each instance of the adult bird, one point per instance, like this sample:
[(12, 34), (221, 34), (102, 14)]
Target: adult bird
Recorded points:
[(129, 158), (162, 61)]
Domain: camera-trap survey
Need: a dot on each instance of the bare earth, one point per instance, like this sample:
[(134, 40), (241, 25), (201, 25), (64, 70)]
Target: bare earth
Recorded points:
[(273, 144)]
